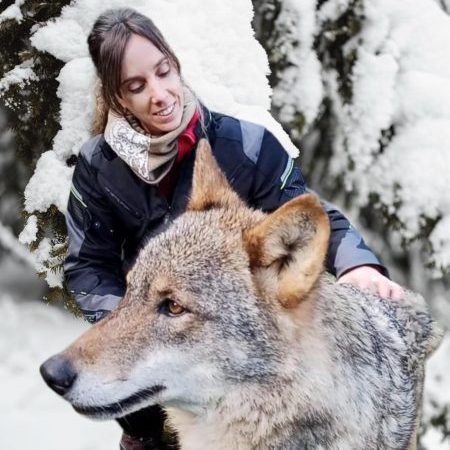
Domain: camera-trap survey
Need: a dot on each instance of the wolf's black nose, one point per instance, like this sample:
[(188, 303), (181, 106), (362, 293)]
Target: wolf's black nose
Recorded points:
[(59, 373)]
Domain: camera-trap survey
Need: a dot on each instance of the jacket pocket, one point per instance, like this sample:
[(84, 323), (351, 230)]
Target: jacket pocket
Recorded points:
[(79, 209)]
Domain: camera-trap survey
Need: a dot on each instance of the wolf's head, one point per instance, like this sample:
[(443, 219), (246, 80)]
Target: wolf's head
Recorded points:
[(203, 306)]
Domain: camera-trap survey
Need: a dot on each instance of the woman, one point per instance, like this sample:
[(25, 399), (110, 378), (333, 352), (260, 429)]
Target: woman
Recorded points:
[(135, 177)]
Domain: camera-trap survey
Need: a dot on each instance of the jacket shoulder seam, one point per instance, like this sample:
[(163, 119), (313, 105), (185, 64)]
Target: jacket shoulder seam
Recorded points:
[(90, 148)]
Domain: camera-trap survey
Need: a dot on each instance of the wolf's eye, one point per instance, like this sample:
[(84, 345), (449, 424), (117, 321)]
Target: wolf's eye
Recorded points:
[(171, 308)]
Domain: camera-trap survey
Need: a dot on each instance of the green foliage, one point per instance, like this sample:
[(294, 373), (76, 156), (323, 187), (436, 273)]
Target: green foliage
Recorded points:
[(330, 42), (271, 34), (329, 46), (279, 41), (34, 106), (33, 111)]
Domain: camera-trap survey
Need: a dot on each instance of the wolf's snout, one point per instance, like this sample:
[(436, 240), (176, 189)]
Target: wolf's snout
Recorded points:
[(59, 373)]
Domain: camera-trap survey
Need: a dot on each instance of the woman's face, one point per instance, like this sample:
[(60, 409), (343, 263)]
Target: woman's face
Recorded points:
[(151, 87)]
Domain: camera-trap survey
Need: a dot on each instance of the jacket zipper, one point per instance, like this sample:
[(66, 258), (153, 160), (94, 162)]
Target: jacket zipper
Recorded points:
[(123, 204)]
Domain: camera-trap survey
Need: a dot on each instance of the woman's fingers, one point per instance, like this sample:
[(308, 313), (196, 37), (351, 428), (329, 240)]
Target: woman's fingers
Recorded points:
[(368, 278), (397, 292)]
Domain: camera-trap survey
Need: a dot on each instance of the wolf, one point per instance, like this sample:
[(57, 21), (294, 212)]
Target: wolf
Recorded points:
[(230, 323)]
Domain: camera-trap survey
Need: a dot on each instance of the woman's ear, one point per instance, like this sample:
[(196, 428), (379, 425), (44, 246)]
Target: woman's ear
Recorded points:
[(123, 103)]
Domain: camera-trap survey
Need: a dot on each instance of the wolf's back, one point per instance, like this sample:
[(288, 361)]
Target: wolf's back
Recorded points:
[(420, 332), (378, 346), (407, 321)]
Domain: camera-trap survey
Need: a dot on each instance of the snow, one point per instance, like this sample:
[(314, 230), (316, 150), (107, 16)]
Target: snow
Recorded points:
[(19, 75), (8, 241), (401, 79), (400, 83), (48, 38), (227, 69), (47, 264), (28, 234), (300, 89), (49, 185), (13, 12), (374, 80), (33, 417), (75, 90), (331, 10), (425, 154)]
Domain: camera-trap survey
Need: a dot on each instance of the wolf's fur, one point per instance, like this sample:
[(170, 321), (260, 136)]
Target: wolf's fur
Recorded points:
[(270, 354)]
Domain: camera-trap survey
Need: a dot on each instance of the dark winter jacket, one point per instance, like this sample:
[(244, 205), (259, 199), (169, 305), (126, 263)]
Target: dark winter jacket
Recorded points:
[(112, 212)]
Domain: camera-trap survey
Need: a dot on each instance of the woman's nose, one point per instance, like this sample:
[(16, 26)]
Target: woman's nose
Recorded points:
[(157, 92)]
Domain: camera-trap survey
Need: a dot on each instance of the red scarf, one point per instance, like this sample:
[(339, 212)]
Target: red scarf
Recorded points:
[(186, 141)]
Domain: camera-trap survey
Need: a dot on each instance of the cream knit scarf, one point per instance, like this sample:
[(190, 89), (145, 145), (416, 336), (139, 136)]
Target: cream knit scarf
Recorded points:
[(150, 157)]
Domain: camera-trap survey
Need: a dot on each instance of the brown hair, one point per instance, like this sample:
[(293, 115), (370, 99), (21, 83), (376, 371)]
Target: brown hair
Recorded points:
[(107, 41)]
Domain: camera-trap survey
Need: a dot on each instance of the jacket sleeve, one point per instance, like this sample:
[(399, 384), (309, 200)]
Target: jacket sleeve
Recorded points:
[(93, 266), (278, 180)]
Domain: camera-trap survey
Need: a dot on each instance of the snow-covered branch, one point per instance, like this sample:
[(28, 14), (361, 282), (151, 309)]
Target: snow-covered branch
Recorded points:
[(385, 69)]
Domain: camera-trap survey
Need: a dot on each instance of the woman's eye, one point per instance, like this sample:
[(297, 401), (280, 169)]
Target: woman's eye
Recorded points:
[(135, 88), (164, 71), (171, 308)]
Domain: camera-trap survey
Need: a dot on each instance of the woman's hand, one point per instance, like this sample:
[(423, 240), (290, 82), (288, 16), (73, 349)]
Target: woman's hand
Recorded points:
[(368, 278)]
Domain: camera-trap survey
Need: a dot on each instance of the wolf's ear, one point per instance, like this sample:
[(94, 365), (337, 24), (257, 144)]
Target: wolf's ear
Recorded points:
[(287, 249), (210, 188)]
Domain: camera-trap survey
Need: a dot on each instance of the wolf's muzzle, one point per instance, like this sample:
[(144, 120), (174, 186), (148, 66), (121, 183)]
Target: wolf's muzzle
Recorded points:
[(59, 373), (119, 407)]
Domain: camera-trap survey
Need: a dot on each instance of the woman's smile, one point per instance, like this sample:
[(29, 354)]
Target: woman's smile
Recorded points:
[(166, 111)]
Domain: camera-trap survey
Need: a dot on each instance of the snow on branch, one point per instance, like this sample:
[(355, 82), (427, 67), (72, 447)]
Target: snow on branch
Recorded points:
[(20, 75), (300, 87), (396, 128), (12, 12), (386, 75), (227, 69)]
